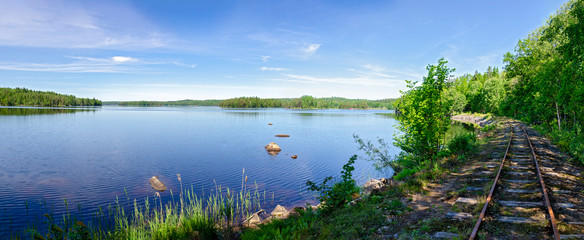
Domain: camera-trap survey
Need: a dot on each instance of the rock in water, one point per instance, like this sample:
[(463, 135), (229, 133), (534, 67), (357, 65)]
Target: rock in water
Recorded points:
[(282, 135), (157, 184), (273, 148), (270, 124), (294, 156)]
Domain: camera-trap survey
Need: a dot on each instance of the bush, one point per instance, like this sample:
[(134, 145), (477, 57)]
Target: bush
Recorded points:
[(463, 144), (340, 193), (405, 173)]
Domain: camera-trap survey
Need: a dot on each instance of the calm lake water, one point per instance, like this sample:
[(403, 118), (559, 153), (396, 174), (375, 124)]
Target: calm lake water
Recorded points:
[(90, 156)]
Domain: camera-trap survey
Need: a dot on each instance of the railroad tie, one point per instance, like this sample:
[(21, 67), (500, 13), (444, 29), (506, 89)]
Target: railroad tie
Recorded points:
[(518, 220), (522, 190), (458, 215), (466, 200), (520, 204)]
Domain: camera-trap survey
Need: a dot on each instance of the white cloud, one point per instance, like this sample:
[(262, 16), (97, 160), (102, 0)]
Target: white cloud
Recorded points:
[(70, 24), (82, 64), (116, 64), (67, 67), (265, 58), (121, 59), (273, 69), (311, 49)]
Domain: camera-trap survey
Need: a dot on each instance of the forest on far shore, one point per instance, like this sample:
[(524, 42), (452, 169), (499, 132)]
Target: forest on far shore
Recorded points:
[(27, 97), (304, 102)]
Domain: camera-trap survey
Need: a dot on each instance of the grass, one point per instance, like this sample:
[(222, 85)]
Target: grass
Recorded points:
[(359, 221), (191, 217)]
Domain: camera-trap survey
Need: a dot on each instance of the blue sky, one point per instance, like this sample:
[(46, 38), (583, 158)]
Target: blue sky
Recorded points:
[(172, 50)]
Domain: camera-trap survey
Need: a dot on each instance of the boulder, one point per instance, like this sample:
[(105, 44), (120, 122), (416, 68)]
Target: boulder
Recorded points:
[(273, 148), (294, 156), (157, 184), (254, 219), (282, 135), (372, 186), (280, 212)]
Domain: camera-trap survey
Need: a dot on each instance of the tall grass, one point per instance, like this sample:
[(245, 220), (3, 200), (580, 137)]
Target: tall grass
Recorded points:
[(191, 217)]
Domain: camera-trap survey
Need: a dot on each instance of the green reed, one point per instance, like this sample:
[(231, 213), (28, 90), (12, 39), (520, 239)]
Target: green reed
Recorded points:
[(192, 217)]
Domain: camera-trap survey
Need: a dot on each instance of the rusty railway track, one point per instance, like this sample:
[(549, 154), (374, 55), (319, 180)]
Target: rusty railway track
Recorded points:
[(545, 200)]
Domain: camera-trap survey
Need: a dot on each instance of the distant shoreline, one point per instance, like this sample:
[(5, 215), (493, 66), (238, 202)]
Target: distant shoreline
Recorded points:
[(304, 102)]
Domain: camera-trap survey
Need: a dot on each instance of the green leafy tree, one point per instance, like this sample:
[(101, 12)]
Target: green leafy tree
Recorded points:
[(424, 116)]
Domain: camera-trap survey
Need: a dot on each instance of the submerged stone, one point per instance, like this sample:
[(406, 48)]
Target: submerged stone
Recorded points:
[(157, 184)]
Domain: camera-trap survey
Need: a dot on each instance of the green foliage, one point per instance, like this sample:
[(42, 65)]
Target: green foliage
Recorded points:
[(360, 221), (478, 92), (546, 72), (167, 103), (424, 116), (455, 99), (338, 194), (306, 102), (405, 173), (378, 154), (26, 97), (77, 231), (463, 144), (293, 227), (489, 127)]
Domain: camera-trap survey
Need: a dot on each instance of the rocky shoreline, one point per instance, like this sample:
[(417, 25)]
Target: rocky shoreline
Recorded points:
[(480, 120)]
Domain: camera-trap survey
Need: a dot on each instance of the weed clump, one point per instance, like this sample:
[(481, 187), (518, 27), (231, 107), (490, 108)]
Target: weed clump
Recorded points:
[(338, 194)]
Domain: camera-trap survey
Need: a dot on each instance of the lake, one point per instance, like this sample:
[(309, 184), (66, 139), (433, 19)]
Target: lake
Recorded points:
[(87, 157)]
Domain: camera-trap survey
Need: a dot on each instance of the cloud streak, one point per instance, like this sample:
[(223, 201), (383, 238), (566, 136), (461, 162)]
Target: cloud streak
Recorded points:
[(115, 64), (273, 69), (68, 24)]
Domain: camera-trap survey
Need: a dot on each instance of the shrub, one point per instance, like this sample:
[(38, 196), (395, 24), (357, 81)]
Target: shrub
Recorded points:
[(405, 173), (336, 195), (463, 144)]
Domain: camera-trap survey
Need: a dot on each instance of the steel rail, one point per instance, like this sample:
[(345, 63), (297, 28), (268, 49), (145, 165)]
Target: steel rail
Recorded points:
[(475, 230), (545, 194)]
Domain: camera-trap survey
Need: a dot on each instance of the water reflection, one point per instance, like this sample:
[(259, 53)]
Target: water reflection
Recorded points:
[(458, 128), (386, 115), (24, 111)]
